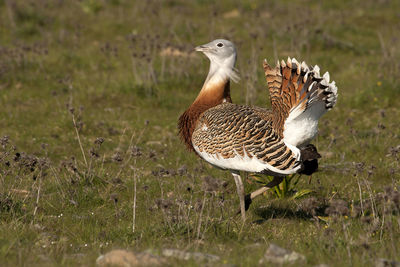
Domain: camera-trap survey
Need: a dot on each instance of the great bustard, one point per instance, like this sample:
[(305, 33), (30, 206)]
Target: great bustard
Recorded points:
[(252, 139)]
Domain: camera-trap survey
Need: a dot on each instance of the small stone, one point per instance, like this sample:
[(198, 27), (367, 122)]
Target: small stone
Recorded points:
[(278, 255), (183, 255), (120, 257), (381, 262), (231, 14)]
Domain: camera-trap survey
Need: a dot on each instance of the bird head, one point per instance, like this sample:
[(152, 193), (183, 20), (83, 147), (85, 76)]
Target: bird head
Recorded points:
[(222, 54), (218, 51)]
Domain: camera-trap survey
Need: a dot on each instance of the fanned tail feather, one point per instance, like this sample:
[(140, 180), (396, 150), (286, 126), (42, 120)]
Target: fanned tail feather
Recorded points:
[(297, 93)]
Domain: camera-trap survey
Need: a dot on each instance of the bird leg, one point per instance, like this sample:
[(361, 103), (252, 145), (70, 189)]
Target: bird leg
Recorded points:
[(249, 197), (240, 191)]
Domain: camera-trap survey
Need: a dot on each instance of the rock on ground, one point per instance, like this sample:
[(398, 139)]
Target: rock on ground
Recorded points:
[(386, 263), (278, 255), (125, 258), (183, 255)]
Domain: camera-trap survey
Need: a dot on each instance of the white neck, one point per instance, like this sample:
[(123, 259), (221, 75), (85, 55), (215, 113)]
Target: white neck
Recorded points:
[(221, 71)]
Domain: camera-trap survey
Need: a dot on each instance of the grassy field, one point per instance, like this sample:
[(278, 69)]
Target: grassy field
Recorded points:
[(90, 94)]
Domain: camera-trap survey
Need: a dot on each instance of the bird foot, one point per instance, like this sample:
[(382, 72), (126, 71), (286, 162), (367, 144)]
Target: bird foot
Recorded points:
[(247, 202)]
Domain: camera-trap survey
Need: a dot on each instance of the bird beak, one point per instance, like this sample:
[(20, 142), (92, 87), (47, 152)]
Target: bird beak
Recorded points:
[(202, 48)]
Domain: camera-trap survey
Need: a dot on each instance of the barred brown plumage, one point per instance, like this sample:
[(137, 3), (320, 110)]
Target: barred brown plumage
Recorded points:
[(237, 130), (253, 139)]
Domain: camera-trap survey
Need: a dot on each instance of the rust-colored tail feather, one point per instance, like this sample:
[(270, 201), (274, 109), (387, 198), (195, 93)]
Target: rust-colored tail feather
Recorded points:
[(294, 87)]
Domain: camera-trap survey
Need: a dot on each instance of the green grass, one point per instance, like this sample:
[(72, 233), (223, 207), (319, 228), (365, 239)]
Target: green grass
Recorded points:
[(102, 61)]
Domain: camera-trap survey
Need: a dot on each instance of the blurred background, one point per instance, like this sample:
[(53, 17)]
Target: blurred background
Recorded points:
[(90, 160)]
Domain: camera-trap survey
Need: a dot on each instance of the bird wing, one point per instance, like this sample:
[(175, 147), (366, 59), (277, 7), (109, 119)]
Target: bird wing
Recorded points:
[(295, 88), (234, 137)]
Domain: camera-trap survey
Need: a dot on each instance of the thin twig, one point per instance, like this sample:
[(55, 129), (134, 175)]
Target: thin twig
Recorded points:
[(10, 13), (134, 200), (130, 150), (361, 198), (201, 214), (79, 140), (38, 196)]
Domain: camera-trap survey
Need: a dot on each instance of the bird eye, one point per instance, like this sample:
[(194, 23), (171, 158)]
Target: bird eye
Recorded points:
[(220, 44)]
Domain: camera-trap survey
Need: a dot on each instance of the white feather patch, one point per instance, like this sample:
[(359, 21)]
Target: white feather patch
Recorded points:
[(301, 126), (300, 129), (246, 163)]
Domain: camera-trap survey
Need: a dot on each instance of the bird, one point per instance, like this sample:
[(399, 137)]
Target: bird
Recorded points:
[(274, 141)]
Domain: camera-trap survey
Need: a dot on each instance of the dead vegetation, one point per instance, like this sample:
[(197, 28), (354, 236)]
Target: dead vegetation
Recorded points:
[(90, 160)]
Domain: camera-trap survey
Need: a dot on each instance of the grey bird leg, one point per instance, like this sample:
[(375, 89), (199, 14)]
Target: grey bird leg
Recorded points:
[(276, 181), (249, 197), (240, 191)]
